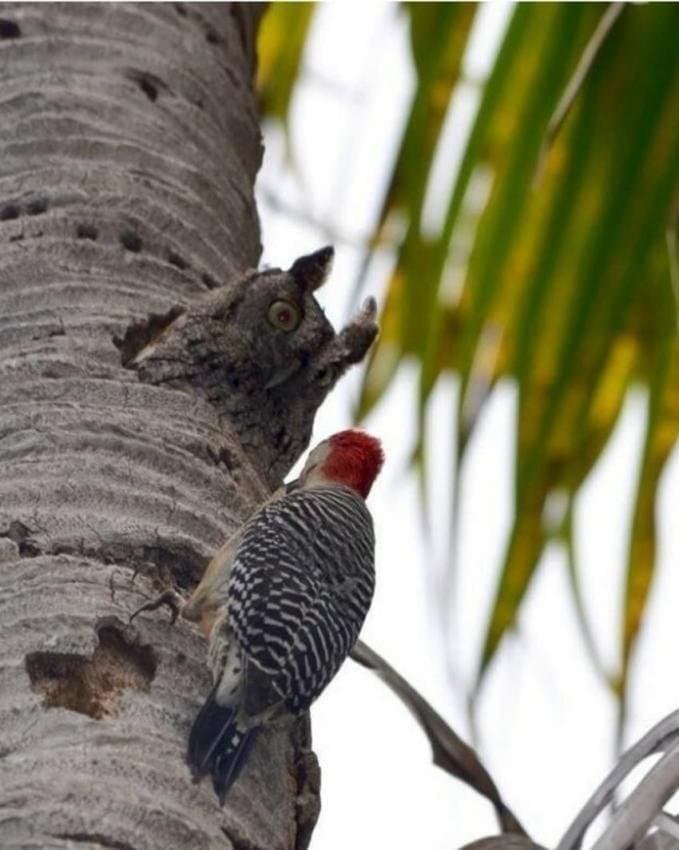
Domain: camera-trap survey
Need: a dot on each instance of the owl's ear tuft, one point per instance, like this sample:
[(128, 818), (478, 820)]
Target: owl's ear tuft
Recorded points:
[(312, 270)]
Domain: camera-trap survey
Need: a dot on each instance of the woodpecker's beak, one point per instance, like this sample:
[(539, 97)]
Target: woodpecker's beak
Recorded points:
[(291, 486)]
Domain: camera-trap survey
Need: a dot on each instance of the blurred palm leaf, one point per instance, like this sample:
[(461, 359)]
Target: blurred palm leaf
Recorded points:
[(439, 34), (548, 267), (280, 46)]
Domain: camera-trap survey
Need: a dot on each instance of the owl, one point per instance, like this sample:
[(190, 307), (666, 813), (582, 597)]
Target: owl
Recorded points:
[(261, 351)]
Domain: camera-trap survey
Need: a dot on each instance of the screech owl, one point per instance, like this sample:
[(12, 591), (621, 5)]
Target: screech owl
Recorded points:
[(262, 352)]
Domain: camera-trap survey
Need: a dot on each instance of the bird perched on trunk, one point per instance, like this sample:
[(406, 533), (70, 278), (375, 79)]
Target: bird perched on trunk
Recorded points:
[(283, 601)]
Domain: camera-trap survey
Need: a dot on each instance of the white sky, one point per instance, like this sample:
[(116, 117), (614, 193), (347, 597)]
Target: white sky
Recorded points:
[(545, 721)]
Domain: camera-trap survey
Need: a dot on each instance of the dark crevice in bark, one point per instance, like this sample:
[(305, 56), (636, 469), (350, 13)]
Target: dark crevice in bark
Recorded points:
[(239, 842), (176, 561), (212, 37), (131, 241), (149, 89), (176, 260), (140, 333), (93, 840), (234, 79), (20, 534), (37, 206), (226, 459), (150, 84), (9, 29), (87, 231), (34, 206), (9, 212), (183, 564), (92, 686)]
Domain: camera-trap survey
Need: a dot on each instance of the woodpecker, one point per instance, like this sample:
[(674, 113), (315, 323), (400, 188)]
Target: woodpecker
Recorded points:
[(283, 601)]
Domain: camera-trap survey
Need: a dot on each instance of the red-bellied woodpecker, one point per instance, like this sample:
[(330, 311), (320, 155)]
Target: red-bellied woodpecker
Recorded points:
[(283, 601)]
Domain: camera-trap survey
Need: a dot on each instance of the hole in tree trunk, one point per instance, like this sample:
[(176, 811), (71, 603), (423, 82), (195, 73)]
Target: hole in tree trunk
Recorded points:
[(37, 206), (148, 88), (130, 241), (9, 29), (93, 686), (176, 260), (86, 231), (9, 211)]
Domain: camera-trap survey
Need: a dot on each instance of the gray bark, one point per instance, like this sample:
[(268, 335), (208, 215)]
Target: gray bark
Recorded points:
[(128, 150)]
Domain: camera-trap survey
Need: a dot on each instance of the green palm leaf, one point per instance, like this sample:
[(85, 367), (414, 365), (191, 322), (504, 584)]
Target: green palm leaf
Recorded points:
[(556, 229)]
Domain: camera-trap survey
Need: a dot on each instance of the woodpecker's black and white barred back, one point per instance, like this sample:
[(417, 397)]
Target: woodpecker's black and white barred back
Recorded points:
[(296, 615), (292, 598)]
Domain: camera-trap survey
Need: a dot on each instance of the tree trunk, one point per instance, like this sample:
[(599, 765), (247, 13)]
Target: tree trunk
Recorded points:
[(129, 150)]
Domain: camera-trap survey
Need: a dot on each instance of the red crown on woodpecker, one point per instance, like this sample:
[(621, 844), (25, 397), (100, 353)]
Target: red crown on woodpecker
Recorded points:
[(355, 459)]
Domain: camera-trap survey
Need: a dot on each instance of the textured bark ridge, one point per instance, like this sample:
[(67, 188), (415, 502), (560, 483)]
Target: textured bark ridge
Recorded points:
[(128, 150)]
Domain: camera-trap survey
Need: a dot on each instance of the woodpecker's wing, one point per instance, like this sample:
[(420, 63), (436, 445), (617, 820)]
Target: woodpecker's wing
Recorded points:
[(300, 588)]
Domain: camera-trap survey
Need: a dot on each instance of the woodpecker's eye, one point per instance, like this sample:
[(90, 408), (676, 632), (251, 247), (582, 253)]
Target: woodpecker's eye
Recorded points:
[(324, 376), (284, 315)]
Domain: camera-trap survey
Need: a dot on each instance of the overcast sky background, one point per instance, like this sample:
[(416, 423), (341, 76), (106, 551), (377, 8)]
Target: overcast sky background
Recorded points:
[(545, 722)]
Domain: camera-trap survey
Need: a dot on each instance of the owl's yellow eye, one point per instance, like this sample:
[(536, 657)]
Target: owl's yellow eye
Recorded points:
[(284, 315)]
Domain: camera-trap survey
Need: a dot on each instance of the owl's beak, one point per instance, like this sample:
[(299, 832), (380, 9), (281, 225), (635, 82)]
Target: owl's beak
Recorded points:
[(283, 374)]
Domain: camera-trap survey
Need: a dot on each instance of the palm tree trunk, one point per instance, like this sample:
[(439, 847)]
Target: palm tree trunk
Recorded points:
[(128, 149)]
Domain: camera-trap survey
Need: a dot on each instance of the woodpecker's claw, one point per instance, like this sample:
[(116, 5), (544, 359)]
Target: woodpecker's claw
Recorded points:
[(170, 598)]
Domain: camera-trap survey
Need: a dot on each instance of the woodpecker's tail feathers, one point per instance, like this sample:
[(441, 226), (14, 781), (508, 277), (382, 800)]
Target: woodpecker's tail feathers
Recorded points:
[(209, 729), (232, 756), (217, 745)]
